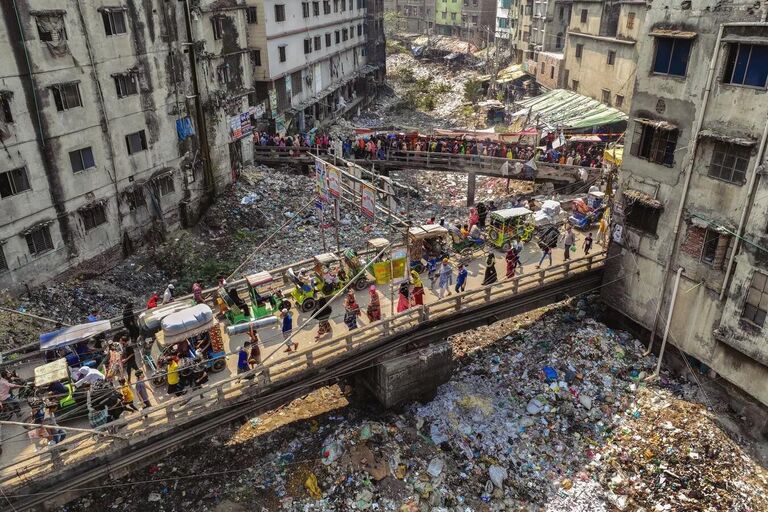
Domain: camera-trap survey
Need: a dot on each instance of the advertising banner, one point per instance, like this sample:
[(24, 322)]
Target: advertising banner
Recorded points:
[(399, 264), (334, 181), (320, 180), (368, 201)]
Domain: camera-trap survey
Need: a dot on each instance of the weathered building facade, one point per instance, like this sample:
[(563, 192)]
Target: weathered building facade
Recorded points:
[(412, 16), (690, 223), (471, 20), (601, 49), (117, 120)]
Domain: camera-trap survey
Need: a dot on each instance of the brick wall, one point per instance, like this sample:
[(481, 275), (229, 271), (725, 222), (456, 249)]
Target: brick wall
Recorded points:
[(694, 241)]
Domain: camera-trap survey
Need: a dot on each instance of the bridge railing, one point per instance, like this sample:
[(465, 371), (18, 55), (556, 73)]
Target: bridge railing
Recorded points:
[(234, 390)]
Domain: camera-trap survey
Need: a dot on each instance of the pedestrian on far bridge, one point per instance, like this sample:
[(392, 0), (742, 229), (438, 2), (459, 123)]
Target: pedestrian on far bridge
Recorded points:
[(446, 278), (461, 278), (568, 242)]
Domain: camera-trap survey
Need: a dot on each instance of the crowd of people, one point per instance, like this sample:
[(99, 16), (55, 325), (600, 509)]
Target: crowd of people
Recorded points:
[(378, 146)]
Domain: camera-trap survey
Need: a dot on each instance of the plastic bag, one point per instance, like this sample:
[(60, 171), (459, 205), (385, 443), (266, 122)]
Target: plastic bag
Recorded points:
[(311, 485)]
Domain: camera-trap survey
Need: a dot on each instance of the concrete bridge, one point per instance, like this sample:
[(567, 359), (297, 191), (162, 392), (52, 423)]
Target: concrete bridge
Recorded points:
[(562, 176), (49, 477)]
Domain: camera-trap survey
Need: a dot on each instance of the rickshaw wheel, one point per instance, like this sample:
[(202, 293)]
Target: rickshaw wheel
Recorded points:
[(493, 235), (361, 284), (308, 304), (218, 365)]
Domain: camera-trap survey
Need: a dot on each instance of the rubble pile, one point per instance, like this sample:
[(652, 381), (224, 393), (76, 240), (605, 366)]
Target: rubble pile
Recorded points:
[(556, 416)]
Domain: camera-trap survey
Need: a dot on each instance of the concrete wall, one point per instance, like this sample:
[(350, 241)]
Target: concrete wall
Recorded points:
[(592, 70), (549, 70), (702, 325)]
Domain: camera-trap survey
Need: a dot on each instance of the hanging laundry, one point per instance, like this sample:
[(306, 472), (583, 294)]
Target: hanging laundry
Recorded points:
[(184, 128)]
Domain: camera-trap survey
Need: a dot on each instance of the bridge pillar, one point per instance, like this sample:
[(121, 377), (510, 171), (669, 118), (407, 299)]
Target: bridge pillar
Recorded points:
[(471, 178), (404, 377)]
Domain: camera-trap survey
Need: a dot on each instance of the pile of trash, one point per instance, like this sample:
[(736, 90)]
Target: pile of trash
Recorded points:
[(557, 416)]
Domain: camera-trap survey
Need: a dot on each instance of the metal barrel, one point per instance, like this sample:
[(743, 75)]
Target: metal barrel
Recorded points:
[(256, 324)]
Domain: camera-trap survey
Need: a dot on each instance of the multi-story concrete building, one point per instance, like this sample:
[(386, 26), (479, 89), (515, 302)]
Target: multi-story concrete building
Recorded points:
[(537, 33), (507, 14), (120, 123), (412, 16), (471, 20), (313, 60), (601, 49), (691, 215)]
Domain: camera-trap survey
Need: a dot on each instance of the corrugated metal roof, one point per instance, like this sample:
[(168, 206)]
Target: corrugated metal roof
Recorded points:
[(565, 109), (739, 141)]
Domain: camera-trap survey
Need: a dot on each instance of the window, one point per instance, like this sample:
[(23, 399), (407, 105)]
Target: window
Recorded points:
[(316, 8), (344, 34), (165, 185), (474, 19), (318, 43), (217, 22), (252, 17), (307, 46), (709, 247), (756, 305), (552, 73), (6, 116), (337, 37), (619, 101), (575, 85), (93, 216), (280, 12), (256, 58), (13, 182), (359, 30), (81, 159), (606, 96), (50, 28), (296, 82), (222, 74), (305, 9), (561, 13), (39, 240), (583, 15), (327, 39), (3, 262), (281, 52), (453, 16), (747, 65), (559, 40), (641, 216), (126, 84), (326, 6), (335, 5), (136, 142), (611, 57), (579, 50), (114, 21), (671, 56), (135, 198), (630, 20), (729, 162), (655, 142), (343, 5), (351, 31), (66, 96)]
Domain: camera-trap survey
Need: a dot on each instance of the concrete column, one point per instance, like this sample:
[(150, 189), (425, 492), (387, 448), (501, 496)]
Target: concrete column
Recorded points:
[(471, 178)]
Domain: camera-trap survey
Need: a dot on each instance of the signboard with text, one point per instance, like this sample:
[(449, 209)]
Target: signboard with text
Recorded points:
[(368, 201), (320, 180), (334, 181)]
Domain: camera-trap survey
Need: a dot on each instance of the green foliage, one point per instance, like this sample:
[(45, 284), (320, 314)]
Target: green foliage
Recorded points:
[(473, 91)]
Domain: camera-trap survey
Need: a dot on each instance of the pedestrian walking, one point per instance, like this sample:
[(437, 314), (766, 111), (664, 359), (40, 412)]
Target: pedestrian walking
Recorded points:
[(512, 260), (602, 228), (418, 289), (517, 245), (546, 251), (287, 329), (461, 278), (482, 213), (323, 317), (141, 389), (587, 243), (129, 321), (432, 268), (351, 310), (168, 294), (446, 278), (242, 359), (129, 357), (374, 305), (254, 358), (114, 361), (173, 377), (197, 291), (568, 242), (490, 276), (403, 297), (153, 300), (127, 392)]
